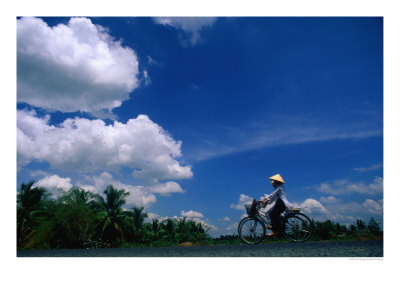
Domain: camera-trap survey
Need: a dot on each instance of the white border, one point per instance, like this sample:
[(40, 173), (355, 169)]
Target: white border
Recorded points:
[(237, 278)]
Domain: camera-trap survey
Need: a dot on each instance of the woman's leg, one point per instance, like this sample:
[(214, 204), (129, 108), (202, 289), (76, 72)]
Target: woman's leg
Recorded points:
[(275, 215)]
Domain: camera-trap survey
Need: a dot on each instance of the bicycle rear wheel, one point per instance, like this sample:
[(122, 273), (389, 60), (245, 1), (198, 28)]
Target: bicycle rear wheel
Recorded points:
[(251, 230), (296, 229), (309, 225)]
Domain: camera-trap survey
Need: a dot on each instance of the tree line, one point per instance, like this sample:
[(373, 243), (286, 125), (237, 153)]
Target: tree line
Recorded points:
[(329, 230), (80, 219), (325, 230)]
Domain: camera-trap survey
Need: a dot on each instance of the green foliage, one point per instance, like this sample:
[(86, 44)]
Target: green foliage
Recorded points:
[(329, 230), (66, 222), (373, 226), (81, 219), (29, 201)]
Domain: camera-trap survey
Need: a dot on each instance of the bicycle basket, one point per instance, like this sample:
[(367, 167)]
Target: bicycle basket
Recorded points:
[(251, 209)]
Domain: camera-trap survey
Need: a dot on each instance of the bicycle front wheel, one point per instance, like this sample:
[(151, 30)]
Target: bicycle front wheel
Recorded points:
[(296, 229), (251, 230)]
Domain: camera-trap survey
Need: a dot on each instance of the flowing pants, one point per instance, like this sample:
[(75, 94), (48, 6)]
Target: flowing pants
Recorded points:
[(275, 213)]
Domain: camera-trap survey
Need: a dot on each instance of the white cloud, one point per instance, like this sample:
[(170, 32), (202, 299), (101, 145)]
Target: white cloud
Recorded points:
[(227, 219), (84, 145), (198, 218), (371, 168), (243, 199), (329, 200), (312, 206), (293, 131), (373, 207), (232, 228), (138, 195), (152, 216), (346, 187), (53, 182), (152, 61), (36, 173), (73, 67), (166, 188), (192, 214), (190, 26), (342, 212), (146, 78)]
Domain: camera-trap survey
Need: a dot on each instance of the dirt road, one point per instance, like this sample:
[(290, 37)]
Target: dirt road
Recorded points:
[(308, 249)]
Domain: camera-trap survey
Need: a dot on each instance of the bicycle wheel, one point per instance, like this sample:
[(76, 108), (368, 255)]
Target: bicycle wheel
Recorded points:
[(296, 229), (251, 230), (309, 225)]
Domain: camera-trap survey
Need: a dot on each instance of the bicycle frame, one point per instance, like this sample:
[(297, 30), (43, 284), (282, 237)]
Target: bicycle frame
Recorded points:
[(265, 220)]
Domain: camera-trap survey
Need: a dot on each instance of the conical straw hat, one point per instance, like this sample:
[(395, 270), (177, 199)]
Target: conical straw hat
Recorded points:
[(277, 177)]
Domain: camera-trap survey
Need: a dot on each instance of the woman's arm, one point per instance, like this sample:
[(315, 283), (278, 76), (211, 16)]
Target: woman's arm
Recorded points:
[(274, 194), (264, 201)]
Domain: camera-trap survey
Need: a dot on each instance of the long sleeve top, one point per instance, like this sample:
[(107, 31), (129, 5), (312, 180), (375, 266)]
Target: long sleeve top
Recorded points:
[(278, 193)]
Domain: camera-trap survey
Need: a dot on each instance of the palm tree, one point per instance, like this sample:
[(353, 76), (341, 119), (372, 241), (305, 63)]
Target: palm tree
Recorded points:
[(168, 227), (112, 221), (139, 216), (72, 223), (28, 203), (79, 196), (134, 224), (152, 233), (183, 230)]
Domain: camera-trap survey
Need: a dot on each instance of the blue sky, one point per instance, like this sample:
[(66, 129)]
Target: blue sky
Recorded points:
[(192, 115)]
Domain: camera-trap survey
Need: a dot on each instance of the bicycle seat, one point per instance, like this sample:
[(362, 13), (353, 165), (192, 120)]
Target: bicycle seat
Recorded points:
[(295, 209)]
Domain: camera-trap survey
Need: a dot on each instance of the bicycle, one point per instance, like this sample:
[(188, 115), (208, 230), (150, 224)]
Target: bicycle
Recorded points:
[(295, 226)]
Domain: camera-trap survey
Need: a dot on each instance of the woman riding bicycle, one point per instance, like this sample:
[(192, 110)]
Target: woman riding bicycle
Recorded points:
[(277, 203)]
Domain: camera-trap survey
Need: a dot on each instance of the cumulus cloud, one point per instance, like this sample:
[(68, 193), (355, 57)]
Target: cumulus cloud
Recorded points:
[(153, 216), (166, 188), (191, 214), (139, 195), (232, 228), (198, 218), (73, 67), (243, 199), (53, 182), (341, 211), (36, 173), (313, 206), (373, 207), (84, 145), (190, 27), (346, 187), (329, 200)]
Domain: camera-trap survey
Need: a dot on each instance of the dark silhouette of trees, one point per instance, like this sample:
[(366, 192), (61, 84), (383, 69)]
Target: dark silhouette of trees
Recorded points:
[(111, 215), (330, 230), (373, 226), (29, 202), (81, 219)]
